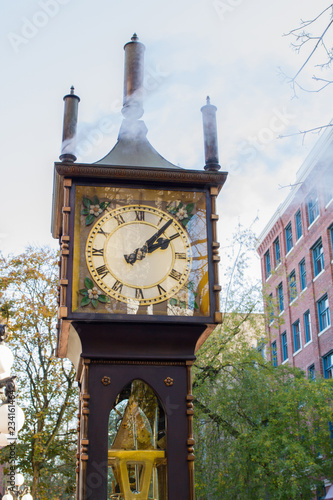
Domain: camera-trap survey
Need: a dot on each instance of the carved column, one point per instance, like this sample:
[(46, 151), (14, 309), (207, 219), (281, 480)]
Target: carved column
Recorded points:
[(190, 438)]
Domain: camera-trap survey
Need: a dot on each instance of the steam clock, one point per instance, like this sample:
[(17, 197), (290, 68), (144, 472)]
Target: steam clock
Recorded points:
[(138, 295)]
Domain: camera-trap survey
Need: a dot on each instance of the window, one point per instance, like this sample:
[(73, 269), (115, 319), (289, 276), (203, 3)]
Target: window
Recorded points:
[(270, 308), (302, 273), (292, 285), (297, 336), (298, 223), (284, 346), (311, 372), (274, 353), (289, 237), (318, 257), (321, 493), (280, 297), (261, 348), (328, 365), (267, 264), (307, 326), (323, 313), (277, 252), (312, 206)]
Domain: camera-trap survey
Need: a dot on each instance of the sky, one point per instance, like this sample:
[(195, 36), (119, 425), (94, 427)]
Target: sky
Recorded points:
[(234, 51)]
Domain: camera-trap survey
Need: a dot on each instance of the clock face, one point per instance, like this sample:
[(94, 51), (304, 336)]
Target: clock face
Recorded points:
[(139, 253)]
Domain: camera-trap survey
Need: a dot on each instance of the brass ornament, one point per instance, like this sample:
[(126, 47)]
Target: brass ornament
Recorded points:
[(106, 380), (168, 381)]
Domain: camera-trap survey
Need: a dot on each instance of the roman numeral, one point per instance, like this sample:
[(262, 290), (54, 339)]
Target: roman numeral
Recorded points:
[(119, 219), (100, 231), (138, 293), (118, 286), (139, 215), (98, 251), (180, 255), (161, 290), (102, 271), (175, 275)]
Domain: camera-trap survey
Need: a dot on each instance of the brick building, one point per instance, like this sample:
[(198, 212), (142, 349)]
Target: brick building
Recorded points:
[(295, 249)]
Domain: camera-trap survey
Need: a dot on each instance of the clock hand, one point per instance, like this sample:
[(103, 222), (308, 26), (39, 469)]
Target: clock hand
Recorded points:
[(162, 243), (158, 233), (140, 253)]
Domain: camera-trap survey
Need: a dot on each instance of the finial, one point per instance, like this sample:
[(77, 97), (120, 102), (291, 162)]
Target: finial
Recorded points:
[(69, 126), (133, 79), (210, 136)]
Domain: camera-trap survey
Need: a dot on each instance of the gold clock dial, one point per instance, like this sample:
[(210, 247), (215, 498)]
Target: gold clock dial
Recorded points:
[(139, 253)]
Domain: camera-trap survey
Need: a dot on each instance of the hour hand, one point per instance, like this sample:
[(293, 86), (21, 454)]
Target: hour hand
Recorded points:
[(162, 244), (138, 254)]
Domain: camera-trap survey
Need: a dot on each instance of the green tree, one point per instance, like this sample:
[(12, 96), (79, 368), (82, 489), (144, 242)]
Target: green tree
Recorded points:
[(261, 431), (46, 390)]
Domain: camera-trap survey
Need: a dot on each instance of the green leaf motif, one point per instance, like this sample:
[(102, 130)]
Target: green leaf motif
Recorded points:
[(90, 218), (173, 302), (196, 305), (86, 202), (190, 207), (85, 211), (103, 298), (84, 292), (89, 283), (95, 200), (85, 301), (182, 305), (94, 303)]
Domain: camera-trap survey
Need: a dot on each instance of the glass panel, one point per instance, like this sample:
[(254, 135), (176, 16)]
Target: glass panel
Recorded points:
[(140, 251), (137, 445)]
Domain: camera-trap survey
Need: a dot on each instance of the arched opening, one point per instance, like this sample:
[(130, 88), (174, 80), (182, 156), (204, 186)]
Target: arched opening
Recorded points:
[(137, 445)]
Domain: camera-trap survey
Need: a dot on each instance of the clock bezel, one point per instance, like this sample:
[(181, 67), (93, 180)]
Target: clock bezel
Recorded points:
[(132, 318), (121, 297)]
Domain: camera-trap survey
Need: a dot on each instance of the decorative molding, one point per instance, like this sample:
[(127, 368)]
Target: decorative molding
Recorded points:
[(135, 362), (190, 438), (215, 255), (142, 173), (83, 442), (64, 251)]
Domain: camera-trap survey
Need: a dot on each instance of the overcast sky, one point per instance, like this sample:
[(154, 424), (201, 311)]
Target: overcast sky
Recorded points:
[(232, 50)]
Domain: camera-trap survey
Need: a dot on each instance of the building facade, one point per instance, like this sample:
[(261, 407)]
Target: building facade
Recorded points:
[(296, 252)]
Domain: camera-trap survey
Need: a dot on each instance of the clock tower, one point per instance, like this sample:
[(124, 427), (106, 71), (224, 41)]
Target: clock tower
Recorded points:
[(138, 295)]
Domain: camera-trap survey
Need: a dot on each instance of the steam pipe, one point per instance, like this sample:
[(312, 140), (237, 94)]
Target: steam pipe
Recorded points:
[(210, 136), (69, 127), (133, 79)]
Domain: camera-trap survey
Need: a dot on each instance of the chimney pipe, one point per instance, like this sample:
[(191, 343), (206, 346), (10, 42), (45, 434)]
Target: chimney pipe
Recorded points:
[(69, 127), (210, 136), (133, 79)]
